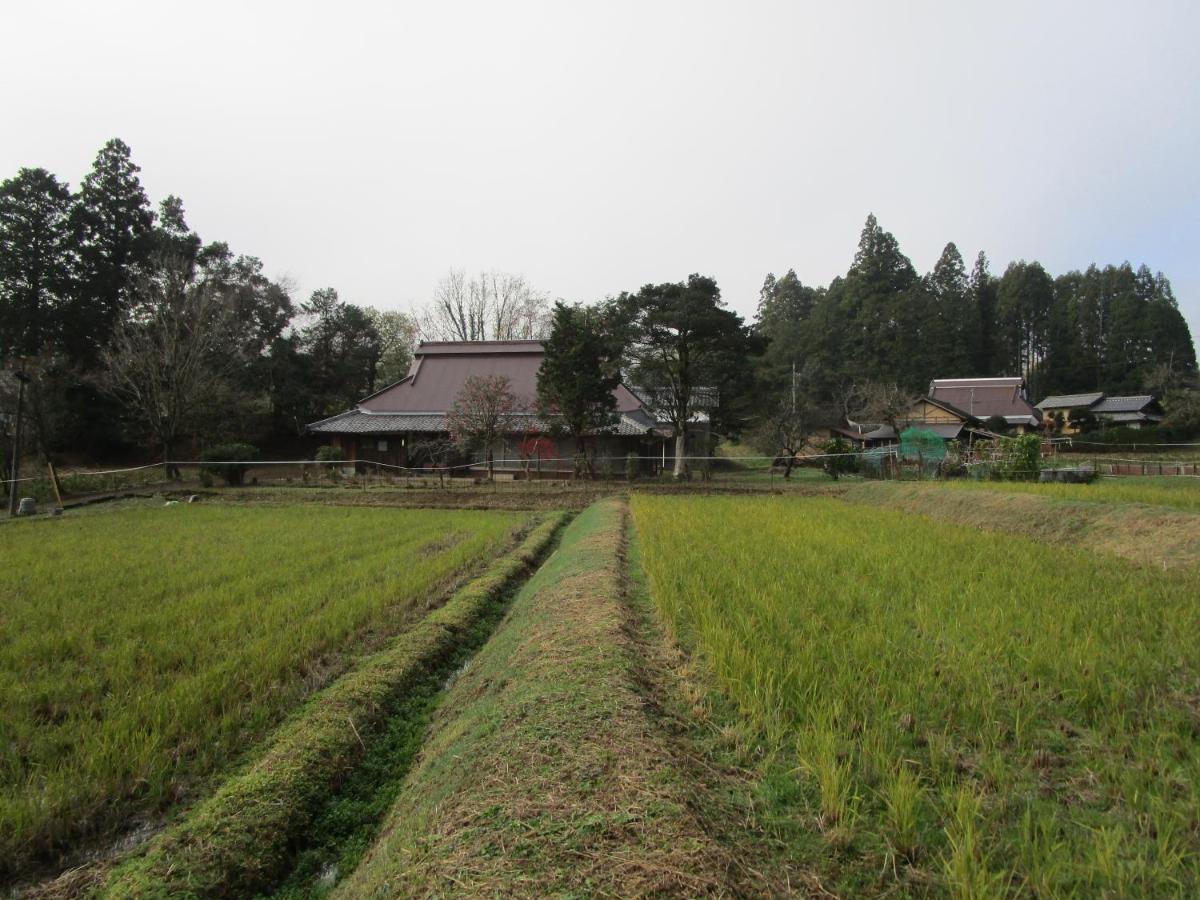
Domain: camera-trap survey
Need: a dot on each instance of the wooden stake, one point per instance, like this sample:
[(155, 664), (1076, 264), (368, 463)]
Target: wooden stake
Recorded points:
[(54, 483)]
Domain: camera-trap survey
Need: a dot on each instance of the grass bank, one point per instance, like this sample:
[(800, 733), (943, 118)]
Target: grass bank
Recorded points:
[(544, 772), (142, 651), (241, 840), (1177, 492), (1160, 536), (945, 711)]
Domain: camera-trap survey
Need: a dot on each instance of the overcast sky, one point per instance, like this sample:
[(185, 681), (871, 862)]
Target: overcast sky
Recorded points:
[(598, 148)]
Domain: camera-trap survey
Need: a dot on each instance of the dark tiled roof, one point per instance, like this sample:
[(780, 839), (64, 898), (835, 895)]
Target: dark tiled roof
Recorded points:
[(947, 432), (1132, 417), (358, 421), (1123, 404), (701, 396), (1070, 401)]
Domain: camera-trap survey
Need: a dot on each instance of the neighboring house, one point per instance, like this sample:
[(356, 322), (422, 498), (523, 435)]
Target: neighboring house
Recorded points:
[(402, 423), (943, 419), (1069, 406), (982, 398), (1128, 412)]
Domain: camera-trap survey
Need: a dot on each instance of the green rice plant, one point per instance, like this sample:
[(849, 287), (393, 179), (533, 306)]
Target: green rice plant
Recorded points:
[(903, 798), (143, 650), (893, 655), (965, 864)]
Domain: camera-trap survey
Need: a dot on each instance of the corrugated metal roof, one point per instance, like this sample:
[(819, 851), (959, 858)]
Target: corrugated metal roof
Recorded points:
[(443, 348), (1066, 401), (1003, 381), (440, 370), (986, 397)]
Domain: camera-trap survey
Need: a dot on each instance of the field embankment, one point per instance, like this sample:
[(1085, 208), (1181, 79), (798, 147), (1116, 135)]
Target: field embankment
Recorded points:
[(1129, 521), (241, 840), (544, 773), (142, 652), (951, 711)]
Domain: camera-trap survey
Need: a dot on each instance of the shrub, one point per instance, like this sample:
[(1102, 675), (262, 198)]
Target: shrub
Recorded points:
[(839, 462), (1020, 458), (240, 455), (332, 457)]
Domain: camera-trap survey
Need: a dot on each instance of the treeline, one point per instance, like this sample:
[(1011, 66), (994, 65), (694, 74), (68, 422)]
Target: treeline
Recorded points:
[(136, 332), (1114, 329)]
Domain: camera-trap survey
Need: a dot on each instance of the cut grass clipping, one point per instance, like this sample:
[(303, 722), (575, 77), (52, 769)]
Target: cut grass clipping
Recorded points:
[(240, 840), (543, 774), (144, 650), (952, 711)]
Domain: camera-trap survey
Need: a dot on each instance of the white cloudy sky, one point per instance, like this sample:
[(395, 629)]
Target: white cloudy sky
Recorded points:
[(595, 148)]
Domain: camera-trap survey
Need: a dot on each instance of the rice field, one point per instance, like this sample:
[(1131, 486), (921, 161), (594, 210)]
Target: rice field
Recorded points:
[(143, 650), (952, 712), (1179, 492)]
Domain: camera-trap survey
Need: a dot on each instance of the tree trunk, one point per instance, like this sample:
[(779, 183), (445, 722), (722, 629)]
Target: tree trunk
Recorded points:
[(680, 470), (791, 461), (491, 461)]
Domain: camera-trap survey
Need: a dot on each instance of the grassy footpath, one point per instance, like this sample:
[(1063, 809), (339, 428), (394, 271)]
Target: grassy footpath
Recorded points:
[(1160, 536), (545, 773), (242, 839), (948, 711), (143, 650)]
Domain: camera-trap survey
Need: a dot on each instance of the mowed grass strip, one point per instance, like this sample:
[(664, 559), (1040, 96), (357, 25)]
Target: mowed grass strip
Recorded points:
[(543, 774), (1179, 492), (240, 841), (1160, 536), (952, 712), (144, 650)]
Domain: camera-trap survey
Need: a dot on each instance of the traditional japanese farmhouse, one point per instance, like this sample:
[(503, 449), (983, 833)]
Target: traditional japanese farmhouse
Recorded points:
[(982, 398), (405, 424), (1128, 412)]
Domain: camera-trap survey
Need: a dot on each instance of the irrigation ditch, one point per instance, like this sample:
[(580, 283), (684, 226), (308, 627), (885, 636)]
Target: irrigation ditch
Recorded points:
[(310, 803)]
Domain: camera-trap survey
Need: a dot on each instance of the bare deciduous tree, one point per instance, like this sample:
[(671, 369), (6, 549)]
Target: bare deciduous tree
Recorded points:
[(168, 359), (888, 403), (493, 306), (785, 425), (478, 415)]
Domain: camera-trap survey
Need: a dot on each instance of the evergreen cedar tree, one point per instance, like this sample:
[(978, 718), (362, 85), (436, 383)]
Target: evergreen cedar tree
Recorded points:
[(69, 263), (1102, 329), (578, 374), (680, 338), (36, 242)]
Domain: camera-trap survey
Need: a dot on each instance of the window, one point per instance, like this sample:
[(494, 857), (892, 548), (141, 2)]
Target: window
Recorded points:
[(382, 444)]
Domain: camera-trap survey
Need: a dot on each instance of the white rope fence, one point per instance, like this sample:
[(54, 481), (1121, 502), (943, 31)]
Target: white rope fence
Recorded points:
[(530, 464)]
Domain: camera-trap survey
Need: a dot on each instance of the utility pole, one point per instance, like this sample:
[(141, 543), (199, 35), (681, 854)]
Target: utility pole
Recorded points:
[(22, 380)]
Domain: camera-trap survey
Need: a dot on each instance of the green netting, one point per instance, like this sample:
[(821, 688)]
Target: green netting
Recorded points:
[(924, 448), (871, 461), (921, 444)]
